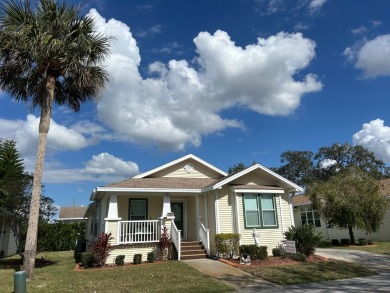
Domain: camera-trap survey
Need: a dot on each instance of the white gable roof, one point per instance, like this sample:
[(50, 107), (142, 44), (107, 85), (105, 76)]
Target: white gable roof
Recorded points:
[(233, 177), (190, 156)]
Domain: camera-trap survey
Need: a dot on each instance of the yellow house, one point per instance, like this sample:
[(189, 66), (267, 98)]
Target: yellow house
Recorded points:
[(195, 201)]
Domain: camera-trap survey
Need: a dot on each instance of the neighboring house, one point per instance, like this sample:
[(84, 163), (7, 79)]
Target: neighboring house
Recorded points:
[(195, 201), (72, 214), (303, 213), (7, 237)]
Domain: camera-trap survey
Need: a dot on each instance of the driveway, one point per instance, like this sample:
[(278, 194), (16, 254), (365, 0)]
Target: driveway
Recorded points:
[(246, 283)]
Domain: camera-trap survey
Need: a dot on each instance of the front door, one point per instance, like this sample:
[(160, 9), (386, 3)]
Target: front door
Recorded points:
[(178, 210)]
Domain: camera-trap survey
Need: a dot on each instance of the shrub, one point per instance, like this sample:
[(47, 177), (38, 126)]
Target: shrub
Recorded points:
[(369, 242), (296, 256), (305, 237), (101, 248), (363, 241), (335, 242), (227, 244), (345, 242), (120, 260), (137, 258), (77, 257), (278, 251), (88, 260), (150, 256), (164, 243), (255, 252)]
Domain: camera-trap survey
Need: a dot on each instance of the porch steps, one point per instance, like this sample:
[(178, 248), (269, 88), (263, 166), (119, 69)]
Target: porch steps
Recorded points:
[(192, 250)]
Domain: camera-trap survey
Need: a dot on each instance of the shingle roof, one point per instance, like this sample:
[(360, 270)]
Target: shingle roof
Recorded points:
[(165, 182), (68, 213), (299, 200)]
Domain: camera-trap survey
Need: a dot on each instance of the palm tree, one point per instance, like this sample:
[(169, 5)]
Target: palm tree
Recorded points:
[(48, 54)]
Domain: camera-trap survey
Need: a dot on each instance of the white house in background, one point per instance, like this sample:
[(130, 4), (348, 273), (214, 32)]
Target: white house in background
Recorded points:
[(195, 201), (72, 214), (303, 213), (7, 237)]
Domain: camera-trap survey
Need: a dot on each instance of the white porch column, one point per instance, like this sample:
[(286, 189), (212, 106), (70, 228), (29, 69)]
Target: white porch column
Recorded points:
[(112, 216), (281, 213), (206, 212), (166, 205), (197, 216), (291, 209)]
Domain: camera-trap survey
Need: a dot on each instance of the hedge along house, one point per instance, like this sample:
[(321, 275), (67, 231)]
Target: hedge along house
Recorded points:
[(304, 213), (195, 201)]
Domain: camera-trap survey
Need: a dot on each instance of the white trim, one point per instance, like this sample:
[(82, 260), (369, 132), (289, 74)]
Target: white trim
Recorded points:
[(236, 198), (279, 191), (216, 212), (291, 210), (252, 168), (70, 219), (149, 190), (281, 214), (206, 211), (189, 156), (185, 228)]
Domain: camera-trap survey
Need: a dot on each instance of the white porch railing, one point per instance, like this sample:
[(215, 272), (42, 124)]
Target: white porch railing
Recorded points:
[(138, 231), (204, 235), (176, 238)]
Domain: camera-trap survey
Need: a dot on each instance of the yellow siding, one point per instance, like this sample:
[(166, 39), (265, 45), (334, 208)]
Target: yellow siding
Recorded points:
[(268, 237), (130, 250), (225, 211), (191, 218), (200, 171), (112, 226)]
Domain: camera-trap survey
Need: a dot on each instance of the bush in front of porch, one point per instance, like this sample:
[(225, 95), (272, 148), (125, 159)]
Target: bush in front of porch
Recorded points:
[(227, 244)]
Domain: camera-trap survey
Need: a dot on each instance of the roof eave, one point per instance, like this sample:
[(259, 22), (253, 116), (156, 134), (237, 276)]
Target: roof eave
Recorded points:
[(143, 190)]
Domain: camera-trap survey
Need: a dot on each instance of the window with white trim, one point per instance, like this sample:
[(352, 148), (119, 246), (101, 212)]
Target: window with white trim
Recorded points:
[(308, 216), (138, 209), (260, 210)]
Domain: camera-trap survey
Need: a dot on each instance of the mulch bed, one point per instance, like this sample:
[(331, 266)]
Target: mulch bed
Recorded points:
[(272, 261)]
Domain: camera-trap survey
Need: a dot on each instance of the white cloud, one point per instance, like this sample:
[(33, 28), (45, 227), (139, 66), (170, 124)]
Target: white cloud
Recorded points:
[(103, 168), (315, 5), (327, 163), (59, 138), (372, 57), (359, 30), (375, 136), (183, 103), (150, 32)]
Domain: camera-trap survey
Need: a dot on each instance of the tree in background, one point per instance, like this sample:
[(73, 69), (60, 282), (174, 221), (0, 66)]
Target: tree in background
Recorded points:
[(15, 194), (48, 54), (297, 166), (236, 168), (349, 199)]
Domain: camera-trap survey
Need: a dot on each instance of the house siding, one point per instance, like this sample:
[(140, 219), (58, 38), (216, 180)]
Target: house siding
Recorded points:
[(268, 237), (333, 233), (225, 218), (155, 204), (129, 250), (199, 171)]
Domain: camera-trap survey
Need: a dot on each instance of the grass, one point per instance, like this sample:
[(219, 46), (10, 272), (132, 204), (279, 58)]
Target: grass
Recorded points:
[(58, 275), (379, 247), (309, 272)]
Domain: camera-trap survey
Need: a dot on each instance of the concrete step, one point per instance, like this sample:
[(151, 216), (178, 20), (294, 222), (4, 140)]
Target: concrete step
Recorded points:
[(193, 256)]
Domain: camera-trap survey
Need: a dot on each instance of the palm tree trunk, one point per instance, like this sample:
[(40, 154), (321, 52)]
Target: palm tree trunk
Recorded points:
[(32, 230)]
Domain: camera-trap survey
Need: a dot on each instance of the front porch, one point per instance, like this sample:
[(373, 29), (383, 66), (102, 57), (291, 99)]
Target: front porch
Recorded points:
[(179, 218)]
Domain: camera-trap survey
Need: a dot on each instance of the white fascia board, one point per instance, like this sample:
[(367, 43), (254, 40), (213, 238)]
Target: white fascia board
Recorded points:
[(279, 191), (150, 190), (190, 156)]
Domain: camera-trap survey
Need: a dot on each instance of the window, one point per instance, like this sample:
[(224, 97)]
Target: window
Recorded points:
[(260, 211), (138, 209), (308, 216), (94, 223)]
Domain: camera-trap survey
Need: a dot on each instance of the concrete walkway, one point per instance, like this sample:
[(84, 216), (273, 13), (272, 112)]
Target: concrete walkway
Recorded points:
[(246, 283)]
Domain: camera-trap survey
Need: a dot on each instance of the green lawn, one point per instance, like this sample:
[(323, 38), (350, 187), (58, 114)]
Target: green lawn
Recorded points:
[(309, 272), (58, 275), (378, 247)]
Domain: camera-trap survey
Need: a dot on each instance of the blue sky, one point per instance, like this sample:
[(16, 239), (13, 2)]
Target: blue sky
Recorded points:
[(229, 81)]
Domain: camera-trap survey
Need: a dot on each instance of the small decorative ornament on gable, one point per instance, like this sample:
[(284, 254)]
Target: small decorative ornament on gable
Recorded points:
[(188, 168)]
